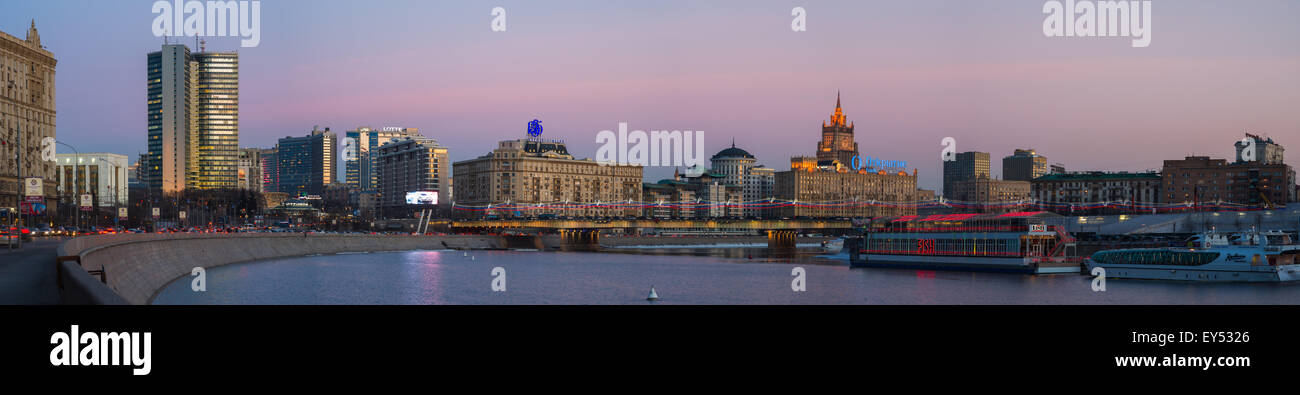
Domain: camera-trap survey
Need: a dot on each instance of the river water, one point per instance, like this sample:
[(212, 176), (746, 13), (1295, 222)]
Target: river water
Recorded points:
[(721, 275)]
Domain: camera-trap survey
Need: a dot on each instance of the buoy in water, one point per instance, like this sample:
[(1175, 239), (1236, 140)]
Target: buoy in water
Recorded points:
[(653, 295)]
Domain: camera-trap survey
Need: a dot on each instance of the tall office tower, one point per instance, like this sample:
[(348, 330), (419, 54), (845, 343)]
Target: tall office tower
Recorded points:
[(26, 114), (837, 138), (352, 157), (358, 145), (171, 147), (1024, 165), (193, 118), (967, 167), (218, 119), (306, 164)]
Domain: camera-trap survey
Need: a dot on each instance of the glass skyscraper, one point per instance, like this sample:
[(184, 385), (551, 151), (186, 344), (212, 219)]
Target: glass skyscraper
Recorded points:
[(218, 119), (193, 119), (306, 164)]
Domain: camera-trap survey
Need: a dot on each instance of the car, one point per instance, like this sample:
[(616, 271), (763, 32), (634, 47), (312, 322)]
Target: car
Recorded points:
[(18, 231)]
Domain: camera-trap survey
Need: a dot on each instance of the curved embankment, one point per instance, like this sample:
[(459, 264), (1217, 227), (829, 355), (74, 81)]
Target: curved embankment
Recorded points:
[(138, 266)]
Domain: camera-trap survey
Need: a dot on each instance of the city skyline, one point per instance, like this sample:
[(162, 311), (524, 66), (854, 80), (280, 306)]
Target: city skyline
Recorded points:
[(1090, 104)]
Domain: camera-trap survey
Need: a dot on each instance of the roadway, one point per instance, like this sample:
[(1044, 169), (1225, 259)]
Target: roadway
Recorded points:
[(27, 274)]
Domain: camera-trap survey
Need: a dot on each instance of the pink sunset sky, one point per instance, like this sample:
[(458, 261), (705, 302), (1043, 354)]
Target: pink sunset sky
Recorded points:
[(910, 72)]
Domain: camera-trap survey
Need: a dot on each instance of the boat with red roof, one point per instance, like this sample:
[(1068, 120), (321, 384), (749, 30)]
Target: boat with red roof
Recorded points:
[(1021, 242)]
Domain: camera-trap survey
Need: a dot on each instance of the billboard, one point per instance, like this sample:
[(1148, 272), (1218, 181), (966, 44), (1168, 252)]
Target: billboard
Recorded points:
[(87, 201), (422, 197), (32, 208), (34, 187)]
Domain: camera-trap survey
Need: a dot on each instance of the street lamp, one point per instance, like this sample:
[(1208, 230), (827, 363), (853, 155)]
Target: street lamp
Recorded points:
[(76, 214)]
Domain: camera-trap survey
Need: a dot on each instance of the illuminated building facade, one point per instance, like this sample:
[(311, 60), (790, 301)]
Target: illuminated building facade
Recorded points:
[(306, 164), (102, 175), (859, 193), (410, 164), (192, 108), (1199, 179), (27, 115), (837, 138), (217, 95), (1065, 191), (536, 172)]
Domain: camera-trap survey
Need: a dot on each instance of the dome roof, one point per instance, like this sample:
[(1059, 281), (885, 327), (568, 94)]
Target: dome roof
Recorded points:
[(733, 152)]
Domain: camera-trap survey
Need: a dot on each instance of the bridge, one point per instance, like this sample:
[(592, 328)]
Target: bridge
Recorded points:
[(780, 232)]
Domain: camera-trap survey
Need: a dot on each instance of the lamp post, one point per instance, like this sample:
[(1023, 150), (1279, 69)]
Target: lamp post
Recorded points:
[(76, 213)]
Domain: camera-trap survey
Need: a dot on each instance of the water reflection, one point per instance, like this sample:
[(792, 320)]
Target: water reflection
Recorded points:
[(741, 275)]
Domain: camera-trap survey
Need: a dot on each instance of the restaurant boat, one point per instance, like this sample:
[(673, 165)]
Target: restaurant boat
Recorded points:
[(1020, 242)]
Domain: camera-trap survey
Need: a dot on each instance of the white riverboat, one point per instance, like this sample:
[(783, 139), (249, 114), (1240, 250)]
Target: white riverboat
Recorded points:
[(1213, 258)]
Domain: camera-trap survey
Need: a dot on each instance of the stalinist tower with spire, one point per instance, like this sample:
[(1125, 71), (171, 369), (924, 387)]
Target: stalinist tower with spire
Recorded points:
[(837, 138)]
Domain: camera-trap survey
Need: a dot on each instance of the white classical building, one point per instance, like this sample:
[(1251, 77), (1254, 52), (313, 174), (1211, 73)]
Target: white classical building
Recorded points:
[(739, 167), (101, 174)]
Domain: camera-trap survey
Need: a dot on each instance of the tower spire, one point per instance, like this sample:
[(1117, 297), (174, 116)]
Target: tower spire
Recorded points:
[(838, 119), (32, 36)]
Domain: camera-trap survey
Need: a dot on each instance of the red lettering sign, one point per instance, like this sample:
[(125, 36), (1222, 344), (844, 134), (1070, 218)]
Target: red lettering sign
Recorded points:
[(925, 246)]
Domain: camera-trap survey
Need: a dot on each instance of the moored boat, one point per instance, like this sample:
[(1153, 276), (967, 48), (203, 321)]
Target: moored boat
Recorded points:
[(1021, 242), (1213, 258)]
